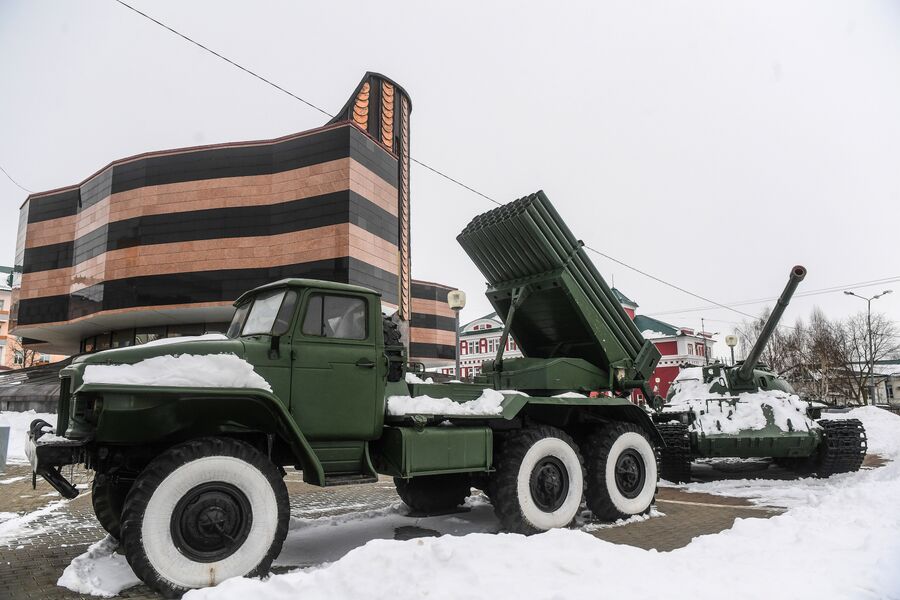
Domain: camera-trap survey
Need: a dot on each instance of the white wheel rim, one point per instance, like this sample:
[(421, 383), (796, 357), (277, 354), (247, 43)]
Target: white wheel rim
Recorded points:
[(563, 515), (641, 502), (156, 534)]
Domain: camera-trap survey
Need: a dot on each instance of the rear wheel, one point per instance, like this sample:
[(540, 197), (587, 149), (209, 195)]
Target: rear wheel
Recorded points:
[(204, 511), (432, 494), (621, 472), (108, 499), (539, 480)]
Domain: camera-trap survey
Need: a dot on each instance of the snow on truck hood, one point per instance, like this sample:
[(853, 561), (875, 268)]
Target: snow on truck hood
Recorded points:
[(178, 363), (722, 414)]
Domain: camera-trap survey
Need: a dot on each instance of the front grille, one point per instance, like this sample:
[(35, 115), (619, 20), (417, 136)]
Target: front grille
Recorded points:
[(62, 418)]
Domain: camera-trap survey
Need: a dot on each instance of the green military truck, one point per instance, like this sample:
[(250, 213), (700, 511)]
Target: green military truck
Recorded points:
[(189, 462)]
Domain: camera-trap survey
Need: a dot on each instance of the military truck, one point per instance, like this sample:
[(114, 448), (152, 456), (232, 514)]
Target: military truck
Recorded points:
[(748, 411), (190, 477)]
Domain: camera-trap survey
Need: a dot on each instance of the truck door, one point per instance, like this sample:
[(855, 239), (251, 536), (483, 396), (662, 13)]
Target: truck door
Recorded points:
[(334, 382)]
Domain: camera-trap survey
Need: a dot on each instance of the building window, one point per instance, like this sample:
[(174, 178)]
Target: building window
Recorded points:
[(690, 348), (482, 345), (18, 358), (2, 303), (463, 347), (889, 390)]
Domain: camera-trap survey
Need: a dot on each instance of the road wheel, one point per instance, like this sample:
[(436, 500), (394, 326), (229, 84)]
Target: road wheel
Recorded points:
[(204, 511), (621, 471), (433, 494), (108, 499), (539, 480)]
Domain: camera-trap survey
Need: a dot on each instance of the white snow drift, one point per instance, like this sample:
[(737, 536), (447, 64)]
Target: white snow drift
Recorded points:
[(18, 423), (99, 572), (714, 414), (185, 370), (489, 403)]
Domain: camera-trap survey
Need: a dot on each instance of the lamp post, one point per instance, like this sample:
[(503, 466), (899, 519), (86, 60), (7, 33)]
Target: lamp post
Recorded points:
[(457, 301), (871, 361), (731, 341)]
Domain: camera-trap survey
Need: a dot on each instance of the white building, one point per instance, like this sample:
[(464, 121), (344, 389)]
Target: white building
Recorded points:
[(478, 342)]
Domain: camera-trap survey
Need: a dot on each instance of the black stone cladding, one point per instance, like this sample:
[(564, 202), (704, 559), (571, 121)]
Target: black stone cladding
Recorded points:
[(204, 286)]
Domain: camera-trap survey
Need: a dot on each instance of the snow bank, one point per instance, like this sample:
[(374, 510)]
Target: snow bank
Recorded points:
[(185, 370), (489, 403), (842, 542), (719, 414), (18, 423), (99, 571)]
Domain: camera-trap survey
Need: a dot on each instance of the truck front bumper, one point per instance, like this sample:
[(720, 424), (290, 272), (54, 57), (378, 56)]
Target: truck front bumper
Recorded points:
[(48, 452)]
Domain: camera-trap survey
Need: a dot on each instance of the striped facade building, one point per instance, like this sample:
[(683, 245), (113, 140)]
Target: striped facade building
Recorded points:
[(162, 243)]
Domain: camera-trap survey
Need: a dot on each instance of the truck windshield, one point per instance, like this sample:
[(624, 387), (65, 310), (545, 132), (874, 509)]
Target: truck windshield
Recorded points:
[(268, 313)]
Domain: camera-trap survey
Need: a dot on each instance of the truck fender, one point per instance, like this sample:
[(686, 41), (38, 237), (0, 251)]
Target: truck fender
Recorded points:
[(204, 411)]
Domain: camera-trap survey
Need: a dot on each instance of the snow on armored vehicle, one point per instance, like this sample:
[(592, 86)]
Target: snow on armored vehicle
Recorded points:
[(749, 411), (189, 439)]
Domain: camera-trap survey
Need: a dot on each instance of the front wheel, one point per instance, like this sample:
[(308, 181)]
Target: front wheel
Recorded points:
[(621, 472), (539, 480), (204, 511)]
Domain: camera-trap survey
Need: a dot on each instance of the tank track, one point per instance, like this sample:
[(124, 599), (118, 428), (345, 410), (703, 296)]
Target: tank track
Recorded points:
[(675, 458), (843, 447)]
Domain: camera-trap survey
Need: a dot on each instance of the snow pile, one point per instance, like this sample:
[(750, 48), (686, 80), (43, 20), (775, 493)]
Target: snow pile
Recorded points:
[(570, 395), (413, 378), (99, 572), (185, 370), (18, 423), (649, 334), (719, 414), (175, 340), (490, 402), (826, 547)]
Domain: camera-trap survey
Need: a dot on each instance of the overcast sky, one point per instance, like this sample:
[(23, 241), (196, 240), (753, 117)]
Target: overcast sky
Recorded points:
[(712, 144)]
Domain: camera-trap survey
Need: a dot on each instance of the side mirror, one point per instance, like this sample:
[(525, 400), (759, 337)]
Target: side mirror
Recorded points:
[(275, 347)]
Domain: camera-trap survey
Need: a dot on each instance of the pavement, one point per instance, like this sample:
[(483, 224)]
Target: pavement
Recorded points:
[(51, 532)]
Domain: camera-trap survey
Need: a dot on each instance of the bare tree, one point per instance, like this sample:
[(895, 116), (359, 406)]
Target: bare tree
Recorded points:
[(854, 349), (29, 355)]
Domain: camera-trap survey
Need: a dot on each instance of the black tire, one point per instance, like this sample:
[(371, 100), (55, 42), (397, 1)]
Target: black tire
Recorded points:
[(675, 457), (393, 349), (538, 483), (621, 471), (108, 500), (196, 490), (433, 494), (843, 447)]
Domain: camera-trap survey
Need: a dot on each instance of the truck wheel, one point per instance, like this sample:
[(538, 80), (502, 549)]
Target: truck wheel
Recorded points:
[(108, 499), (204, 511), (431, 494), (621, 471), (539, 481), (675, 458)]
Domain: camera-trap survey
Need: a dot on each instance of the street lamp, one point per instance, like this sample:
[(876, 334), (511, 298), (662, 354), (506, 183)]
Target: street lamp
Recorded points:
[(457, 301), (731, 341), (871, 361)]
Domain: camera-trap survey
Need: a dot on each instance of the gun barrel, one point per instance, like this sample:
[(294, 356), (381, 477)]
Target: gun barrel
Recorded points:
[(746, 370)]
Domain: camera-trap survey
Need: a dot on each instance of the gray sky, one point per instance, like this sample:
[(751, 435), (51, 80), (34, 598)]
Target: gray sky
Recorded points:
[(711, 144)]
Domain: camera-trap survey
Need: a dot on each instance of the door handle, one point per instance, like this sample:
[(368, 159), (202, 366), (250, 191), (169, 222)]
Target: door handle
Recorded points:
[(365, 363)]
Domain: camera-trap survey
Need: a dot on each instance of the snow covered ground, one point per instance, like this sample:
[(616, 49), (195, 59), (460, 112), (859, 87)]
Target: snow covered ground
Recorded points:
[(18, 423), (839, 538)]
